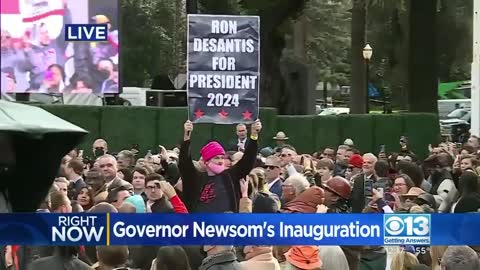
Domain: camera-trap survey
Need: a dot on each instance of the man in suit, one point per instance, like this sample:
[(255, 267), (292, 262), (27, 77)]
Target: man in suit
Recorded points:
[(108, 165), (364, 183), (272, 172), (240, 143)]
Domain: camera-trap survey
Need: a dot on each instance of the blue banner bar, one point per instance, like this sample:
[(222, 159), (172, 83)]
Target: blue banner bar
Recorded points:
[(240, 229), (53, 229)]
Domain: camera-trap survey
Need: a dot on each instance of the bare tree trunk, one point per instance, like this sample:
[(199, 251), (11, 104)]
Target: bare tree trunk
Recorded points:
[(300, 38), (192, 7), (422, 67), (272, 84), (358, 90)]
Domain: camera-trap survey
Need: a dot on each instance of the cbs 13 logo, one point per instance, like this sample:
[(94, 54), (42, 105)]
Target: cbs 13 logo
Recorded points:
[(407, 225)]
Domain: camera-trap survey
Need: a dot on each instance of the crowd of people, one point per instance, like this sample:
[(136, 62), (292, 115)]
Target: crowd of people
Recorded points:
[(247, 179), (39, 63)]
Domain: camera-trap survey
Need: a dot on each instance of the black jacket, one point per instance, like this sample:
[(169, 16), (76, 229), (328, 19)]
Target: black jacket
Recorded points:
[(194, 181), (58, 263), (357, 197)]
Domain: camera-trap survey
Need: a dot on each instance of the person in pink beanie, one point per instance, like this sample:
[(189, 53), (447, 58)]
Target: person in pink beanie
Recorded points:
[(217, 190)]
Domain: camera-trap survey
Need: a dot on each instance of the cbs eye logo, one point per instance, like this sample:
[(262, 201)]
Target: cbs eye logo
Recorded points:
[(407, 225)]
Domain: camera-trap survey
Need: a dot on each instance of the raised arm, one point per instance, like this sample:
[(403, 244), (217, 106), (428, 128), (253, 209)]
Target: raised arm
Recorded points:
[(169, 191), (246, 163), (188, 172)]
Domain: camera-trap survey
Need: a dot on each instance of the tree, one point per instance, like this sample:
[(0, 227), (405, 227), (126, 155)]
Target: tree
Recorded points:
[(151, 31), (358, 90), (275, 17), (454, 39), (329, 43), (387, 32), (422, 68)]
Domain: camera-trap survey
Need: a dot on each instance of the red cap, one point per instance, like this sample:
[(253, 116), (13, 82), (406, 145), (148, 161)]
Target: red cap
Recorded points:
[(356, 161)]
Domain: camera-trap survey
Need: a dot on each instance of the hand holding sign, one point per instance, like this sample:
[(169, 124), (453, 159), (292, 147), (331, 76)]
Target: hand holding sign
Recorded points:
[(188, 127)]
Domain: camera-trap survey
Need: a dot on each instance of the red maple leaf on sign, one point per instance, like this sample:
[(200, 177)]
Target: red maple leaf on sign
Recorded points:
[(247, 115), (223, 114), (198, 113)]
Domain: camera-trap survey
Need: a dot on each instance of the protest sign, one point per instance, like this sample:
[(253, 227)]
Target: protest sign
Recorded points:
[(223, 66)]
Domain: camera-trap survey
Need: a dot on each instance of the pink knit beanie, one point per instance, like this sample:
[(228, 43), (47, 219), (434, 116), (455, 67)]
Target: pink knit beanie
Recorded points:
[(210, 150)]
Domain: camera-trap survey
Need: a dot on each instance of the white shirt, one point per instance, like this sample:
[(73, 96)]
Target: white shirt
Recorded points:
[(241, 143), (272, 183), (110, 182)]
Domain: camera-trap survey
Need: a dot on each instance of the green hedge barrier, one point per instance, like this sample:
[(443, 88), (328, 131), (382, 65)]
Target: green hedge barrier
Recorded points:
[(150, 126), (122, 127), (359, 128), (269, 123), (422, 129), (300, 131), (387, 131), (326, 132), (87, 117)]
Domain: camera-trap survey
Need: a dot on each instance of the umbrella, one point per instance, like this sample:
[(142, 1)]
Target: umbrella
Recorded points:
[(32, 142)]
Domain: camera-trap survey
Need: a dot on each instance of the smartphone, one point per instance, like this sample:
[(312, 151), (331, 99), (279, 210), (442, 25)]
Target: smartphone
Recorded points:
[(135, 146), (382, 148), (368, 187)]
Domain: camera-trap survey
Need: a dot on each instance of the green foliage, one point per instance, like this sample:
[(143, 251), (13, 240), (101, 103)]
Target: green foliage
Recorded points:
[(153, 39), (219, 7), (329, 43), (455, 34)]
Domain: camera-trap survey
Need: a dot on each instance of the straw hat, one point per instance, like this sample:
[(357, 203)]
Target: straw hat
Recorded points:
[(281, 136)]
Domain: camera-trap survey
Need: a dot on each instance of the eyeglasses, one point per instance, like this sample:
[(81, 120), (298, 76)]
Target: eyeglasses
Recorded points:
[(286, 155), (270, 167), (152, 187), (123, 199)]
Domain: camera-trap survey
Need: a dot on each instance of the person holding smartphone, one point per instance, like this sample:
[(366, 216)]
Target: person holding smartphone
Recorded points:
[(363, 184)]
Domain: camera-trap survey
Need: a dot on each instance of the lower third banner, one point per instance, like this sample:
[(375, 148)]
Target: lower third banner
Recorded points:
[(239, 229)]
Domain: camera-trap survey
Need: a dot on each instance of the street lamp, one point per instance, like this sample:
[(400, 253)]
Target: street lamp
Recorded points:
[(367, 55)]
